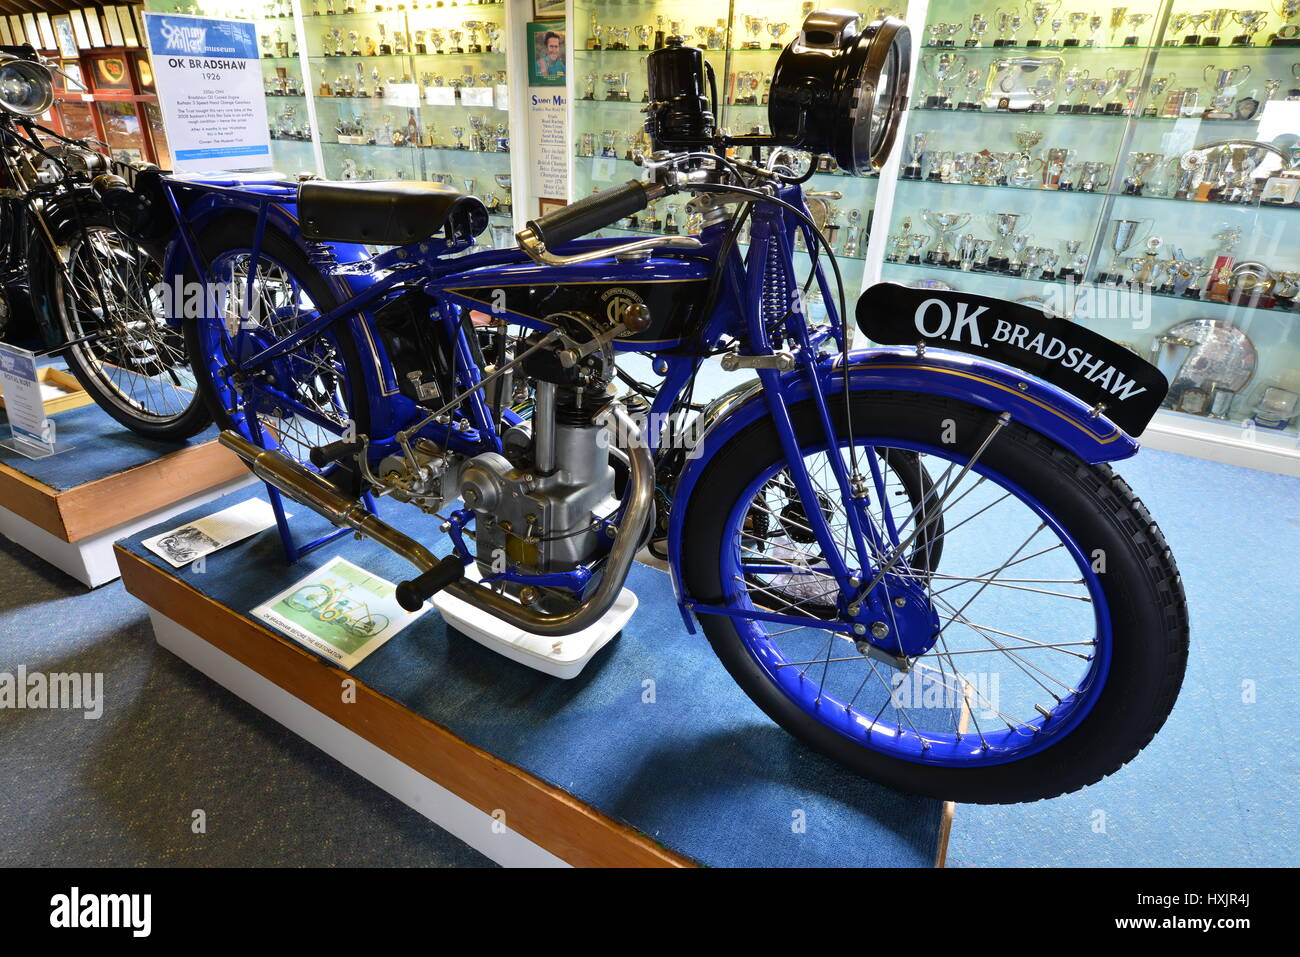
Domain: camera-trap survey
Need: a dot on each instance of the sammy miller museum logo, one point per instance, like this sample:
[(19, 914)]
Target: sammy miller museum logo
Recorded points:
[(53, 691), (183, 39), (76, 909)]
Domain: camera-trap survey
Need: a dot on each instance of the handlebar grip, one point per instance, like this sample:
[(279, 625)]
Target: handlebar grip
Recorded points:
[(412, 594), (592, 213)]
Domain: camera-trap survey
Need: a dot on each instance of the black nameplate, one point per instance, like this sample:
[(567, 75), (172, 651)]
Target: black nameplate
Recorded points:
[(1083, 363)]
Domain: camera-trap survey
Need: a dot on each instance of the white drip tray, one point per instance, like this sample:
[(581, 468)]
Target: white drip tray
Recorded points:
[(559, 657)]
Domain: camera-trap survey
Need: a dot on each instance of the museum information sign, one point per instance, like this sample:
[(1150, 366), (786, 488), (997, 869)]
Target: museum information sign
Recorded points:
[(210, 83)]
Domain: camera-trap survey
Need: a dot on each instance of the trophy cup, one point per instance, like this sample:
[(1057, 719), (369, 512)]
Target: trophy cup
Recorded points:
[(1117, 16), (1071, 247), (1004, 225), (1194, 21), (974, 81), (1225, 86), (756, 26), (940, 67), (1252, 21), (951, 30), (1135, 21), (383, 47), (979, 25), (1218, 18), (456, 37), (1038, 14), (1073, 80), (942, 224), (493, 33), (477, 143), (1124, 236), (643, 34), (1116, 82), (912, 170), (1057, 159), (1141, 165), (589, 86), (473, 27), (459, 133), (1155, 89), (597, 31), (777, 30), (1076, 19), (587, 145), (1095, 22)]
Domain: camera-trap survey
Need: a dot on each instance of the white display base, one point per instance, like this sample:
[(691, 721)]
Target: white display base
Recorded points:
[(91, 560), (559, 657), (451, 813), (1225, 442)]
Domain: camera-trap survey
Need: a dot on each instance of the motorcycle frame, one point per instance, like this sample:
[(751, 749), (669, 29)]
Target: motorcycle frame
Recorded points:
[(820, 377)]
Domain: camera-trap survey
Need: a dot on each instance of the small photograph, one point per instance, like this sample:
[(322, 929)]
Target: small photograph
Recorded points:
[(548, 9), (546, 68), (67, 40), (186, 544)]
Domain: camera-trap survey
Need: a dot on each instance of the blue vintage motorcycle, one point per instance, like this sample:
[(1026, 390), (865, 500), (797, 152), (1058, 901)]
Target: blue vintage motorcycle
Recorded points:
[(915, 558)]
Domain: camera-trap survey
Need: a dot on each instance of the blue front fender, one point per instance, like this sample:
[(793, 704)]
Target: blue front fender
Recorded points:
[(1036, 404)]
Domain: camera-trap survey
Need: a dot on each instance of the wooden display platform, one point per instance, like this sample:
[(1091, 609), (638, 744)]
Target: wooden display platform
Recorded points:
[(456, 785), (524, 767), (74, 528)]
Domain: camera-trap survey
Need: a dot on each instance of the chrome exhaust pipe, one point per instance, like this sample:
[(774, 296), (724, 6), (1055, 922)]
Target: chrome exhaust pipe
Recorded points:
[(309, 489), (640, 493)]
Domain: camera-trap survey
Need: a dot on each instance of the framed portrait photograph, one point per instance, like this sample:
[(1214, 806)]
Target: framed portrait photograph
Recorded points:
[(546, 66), (66, 38), (548, 9), (76, 83)]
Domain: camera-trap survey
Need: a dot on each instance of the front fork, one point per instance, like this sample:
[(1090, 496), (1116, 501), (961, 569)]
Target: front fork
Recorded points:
[(878, 607)]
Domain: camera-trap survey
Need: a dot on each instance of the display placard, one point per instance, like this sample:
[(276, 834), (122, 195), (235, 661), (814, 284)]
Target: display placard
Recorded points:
[(31, 433), (209, 79), (440, 95), (476, 95), (402, 94)]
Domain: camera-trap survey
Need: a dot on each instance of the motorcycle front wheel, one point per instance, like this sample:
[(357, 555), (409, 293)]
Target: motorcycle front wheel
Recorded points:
[(1040, 650)]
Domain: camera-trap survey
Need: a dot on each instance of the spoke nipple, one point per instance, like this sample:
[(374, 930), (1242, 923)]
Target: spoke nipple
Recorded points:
[(900, 601)]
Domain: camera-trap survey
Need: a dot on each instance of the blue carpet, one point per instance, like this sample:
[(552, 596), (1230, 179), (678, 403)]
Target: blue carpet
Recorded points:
[(1217, 787), (121, 790), (700, 769), (100, 447)]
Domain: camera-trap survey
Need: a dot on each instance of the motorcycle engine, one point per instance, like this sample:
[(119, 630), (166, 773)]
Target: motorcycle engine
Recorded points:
[(537, 504)]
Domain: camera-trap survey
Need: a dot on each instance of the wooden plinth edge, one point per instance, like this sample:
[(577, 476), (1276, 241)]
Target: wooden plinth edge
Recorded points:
[(110, 501), (546, 815)]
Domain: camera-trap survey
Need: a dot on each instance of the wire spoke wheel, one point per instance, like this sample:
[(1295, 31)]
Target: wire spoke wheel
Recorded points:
[(985, 619), (111, 305)]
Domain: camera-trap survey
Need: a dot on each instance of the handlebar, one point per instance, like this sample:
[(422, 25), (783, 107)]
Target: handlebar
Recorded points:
[(594, 212), (588, 215)]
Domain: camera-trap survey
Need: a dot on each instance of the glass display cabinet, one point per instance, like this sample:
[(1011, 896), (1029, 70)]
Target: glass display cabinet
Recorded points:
[(414, 91), (287, 110), (1136, 168), (741, 42)]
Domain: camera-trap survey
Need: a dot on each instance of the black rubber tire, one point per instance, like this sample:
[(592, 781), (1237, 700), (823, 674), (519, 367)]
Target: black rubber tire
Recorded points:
[(1142, 588), (235, 231), (46, 280)]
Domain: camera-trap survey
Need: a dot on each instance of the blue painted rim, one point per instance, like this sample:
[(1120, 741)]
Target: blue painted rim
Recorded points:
[(895, 740)]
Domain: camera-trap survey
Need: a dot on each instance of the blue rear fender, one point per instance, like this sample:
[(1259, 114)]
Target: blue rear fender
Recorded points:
[(1036, 404)]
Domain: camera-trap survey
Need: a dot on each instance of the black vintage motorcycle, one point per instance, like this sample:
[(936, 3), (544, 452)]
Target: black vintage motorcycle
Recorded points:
[(94, 290)]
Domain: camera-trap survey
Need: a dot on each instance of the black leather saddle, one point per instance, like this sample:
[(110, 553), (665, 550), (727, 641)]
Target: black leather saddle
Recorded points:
[(388, 212)]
